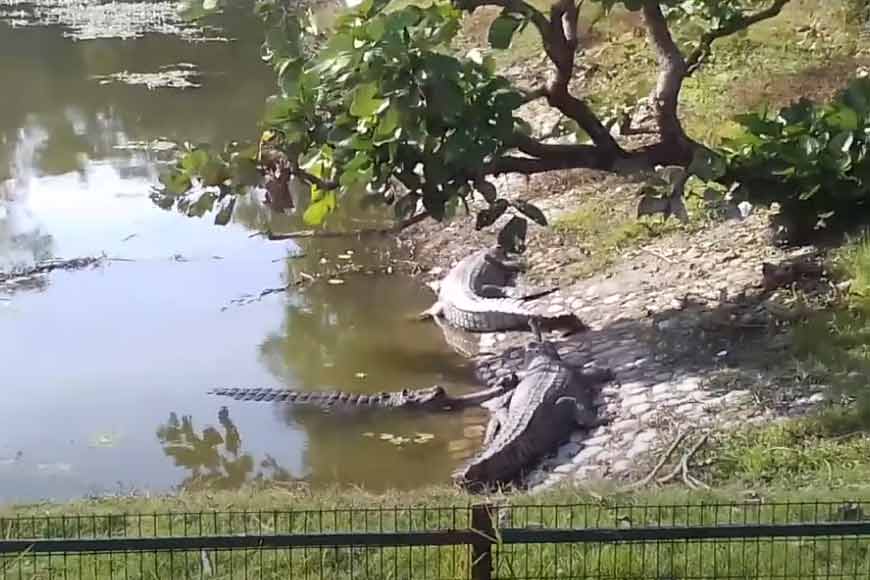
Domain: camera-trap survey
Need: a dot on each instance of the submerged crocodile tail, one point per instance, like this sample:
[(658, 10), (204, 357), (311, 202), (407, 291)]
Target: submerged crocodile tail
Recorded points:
[(273, 395)]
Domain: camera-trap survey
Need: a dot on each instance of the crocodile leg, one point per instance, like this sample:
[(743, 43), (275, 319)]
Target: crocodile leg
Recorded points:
[(506, 264), (430, 313), (493, 291), (496, 420)]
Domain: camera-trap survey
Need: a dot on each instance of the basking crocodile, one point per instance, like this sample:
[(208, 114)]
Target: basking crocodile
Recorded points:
[(479, 295), (429, 399), (552, 399)]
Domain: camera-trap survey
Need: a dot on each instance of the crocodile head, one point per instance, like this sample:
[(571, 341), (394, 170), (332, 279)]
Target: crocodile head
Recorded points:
[(429, 398), (540, 350)]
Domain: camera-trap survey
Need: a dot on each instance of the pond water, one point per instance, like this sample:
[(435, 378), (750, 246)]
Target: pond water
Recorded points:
[(104, 372)]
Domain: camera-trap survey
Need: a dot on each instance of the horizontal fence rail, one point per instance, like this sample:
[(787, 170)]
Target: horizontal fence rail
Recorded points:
[(481, 542)]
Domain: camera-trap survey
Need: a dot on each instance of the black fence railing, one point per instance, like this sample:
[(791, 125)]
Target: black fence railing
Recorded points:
[(480, 542)]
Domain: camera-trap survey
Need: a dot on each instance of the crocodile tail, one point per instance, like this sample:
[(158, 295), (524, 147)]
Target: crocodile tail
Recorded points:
[(287, 396)]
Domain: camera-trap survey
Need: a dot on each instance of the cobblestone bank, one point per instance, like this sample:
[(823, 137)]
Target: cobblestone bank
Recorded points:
[(690, 336)]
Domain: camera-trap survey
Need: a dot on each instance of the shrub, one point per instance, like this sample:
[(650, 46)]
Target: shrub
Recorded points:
[(811, 159)]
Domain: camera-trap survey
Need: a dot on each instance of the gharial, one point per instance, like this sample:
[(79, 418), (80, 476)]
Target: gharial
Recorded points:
[(433, 398)]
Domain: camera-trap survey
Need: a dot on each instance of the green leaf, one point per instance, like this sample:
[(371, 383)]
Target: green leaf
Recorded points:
[(201, 204), (368, 8), (487, 217), (175, 182), (388, 128), (317, 211), (214, 172), (502, 30), (244, 171), (194, 161), (512, 236), (366, 101), (531, 211), (857, 96), (842, 117), (810, 146), (223, 215), (707, 165)]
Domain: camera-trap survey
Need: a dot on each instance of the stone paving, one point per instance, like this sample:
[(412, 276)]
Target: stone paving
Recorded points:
[(668, 323)]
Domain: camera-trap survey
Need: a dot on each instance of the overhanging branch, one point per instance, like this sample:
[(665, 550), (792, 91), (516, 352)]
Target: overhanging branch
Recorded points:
[(544, 157), (697, 57)]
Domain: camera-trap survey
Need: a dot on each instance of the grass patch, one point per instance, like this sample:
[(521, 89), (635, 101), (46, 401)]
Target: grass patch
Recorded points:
[(821, 452), (602, 231), (835, 344)]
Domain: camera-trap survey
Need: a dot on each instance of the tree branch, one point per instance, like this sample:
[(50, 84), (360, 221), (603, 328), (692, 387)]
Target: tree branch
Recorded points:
[(672, 71), (696, 59), (560, 43), (559, 36), (544, 157)]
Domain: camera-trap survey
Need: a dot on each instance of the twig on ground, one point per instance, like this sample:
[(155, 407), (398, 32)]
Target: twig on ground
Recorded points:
[(652, 474), (658, 255), (682, 468)]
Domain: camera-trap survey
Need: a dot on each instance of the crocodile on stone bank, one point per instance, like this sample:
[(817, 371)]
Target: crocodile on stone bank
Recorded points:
[(551, 401), (479, 294)]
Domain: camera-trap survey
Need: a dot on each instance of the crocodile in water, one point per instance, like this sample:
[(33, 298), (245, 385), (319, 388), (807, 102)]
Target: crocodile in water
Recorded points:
[(548, 404), (479, 295), (429, 399)]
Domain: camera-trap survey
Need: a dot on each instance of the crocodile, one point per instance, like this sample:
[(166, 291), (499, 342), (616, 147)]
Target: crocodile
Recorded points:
[(433, 398), (479, 295), (550, 401)]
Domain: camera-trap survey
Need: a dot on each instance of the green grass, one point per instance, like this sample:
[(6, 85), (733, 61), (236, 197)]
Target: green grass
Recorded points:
[(827, 451), (602, 231), (834, 344)]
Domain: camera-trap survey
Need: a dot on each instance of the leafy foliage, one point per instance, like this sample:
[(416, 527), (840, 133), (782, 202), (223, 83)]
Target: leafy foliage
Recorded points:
[(202, 179), (380, 107), (811, 159)]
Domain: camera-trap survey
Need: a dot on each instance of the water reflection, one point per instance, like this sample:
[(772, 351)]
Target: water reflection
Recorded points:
[(22, 240), (56, 82), (213, 458)]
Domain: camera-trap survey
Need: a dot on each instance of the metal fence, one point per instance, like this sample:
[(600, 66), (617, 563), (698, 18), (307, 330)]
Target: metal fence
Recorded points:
[(713, 541)]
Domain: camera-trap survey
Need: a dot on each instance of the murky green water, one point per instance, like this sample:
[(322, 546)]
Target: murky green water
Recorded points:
[(104, 372)]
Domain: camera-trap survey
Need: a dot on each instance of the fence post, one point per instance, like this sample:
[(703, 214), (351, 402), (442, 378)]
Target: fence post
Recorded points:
[(482, 518)]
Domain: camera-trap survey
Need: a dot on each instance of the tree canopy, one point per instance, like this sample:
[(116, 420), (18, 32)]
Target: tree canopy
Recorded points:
[(380, 104)]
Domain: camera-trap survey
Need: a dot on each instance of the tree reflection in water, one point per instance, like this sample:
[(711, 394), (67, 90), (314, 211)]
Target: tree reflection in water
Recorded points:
[(214, 459)]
